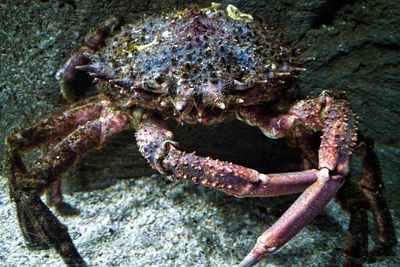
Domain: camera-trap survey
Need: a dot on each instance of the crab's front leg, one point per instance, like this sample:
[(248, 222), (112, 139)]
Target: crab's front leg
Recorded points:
[(71, 78), (157, 145), (332, 116)]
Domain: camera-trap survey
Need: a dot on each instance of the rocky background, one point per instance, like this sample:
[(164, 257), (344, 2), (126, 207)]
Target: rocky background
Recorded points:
[(356, 46)]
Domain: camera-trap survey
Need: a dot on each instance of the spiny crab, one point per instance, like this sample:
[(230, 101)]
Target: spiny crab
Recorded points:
[(200, 66)]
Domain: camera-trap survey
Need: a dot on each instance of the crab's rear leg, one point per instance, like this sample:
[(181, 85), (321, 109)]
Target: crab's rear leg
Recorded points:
[(331, 115), (71, 79), (44, 132), (372, 187), (38, 224)]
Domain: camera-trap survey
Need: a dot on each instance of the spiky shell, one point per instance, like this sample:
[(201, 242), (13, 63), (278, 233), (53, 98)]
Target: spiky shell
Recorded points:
[(195, 58)]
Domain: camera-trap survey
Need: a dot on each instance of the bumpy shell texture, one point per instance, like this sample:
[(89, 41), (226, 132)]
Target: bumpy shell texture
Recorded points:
[(202, 58)]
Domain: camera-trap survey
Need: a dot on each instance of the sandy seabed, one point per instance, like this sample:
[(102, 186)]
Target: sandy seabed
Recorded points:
[(149, 221)]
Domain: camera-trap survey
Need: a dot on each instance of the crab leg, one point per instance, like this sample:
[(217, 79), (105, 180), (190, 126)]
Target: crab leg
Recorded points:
[(71, 78), (38, 224), (49, 131), (303, 210), (356, 199), (328, 113), (234, 179), (331, 115), (372, 187), (350, 197), (157, 146), (352, 200)]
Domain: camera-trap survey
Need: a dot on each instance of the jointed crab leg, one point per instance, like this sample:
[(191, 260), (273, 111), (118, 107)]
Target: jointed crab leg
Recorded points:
[(331, 115), (156, 144), (48, 130), (356, 200), (372, 187), (326, 113), (39, 226), (303, 210), (350, 197), (234, 179), (352, 200), (51, 130), (70, 77)]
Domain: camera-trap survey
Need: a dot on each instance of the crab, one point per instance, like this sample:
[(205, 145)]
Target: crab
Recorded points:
[(200, 66)]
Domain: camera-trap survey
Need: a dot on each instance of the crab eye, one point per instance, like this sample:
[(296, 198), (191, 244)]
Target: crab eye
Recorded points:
[(159, 79), (151, 85), (240, 86)]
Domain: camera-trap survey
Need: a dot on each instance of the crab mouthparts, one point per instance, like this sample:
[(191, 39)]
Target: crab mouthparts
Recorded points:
[(198, 112)]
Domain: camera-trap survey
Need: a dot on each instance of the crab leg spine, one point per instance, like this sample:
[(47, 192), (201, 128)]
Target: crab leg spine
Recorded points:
[(154, 141), (234, 179)]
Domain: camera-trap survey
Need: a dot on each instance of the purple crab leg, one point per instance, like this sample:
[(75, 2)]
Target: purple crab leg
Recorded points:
[(330, 114), (156, 144), (302, 212), (234, 179), (69, 75), (94, 123), (49, 130)]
